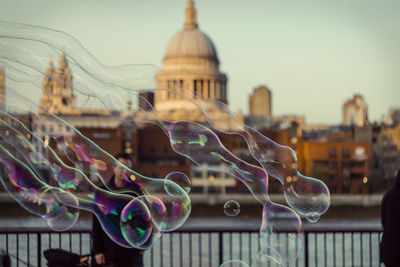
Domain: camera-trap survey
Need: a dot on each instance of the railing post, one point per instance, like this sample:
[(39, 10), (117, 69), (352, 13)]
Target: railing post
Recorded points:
[(220, 247), (306, 260), (39, 250)]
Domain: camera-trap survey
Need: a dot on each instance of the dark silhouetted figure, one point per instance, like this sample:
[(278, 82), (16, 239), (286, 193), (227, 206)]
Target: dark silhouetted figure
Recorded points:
[(106, 251), (390, 215)]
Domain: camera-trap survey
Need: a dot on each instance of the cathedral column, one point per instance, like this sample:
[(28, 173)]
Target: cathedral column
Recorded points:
[(208, 89)]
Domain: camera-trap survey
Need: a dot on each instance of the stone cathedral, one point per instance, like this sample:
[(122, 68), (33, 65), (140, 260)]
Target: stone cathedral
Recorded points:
[(190, 71)]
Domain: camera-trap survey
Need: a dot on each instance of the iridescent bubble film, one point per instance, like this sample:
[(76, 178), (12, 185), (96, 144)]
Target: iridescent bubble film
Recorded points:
[(178, 178), (135, 222), (49, 167), (281, 236), (231, 208)]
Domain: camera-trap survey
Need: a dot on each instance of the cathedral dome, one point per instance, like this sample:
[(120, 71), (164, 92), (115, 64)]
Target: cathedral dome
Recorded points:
[(191, 43), (190, 69)]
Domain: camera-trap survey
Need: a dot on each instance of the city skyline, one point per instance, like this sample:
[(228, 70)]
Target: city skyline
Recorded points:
[(349, 49)]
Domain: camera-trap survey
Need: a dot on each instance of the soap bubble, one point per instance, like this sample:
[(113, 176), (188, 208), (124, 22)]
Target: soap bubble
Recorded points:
[(162, 204), (135, 222), (53, 205), (130, 223), (312, 217), (180, 179), (281, 235), (231, 208), (65, 216)]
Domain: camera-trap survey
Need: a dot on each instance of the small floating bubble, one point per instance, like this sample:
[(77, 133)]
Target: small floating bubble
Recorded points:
[(231, 208)]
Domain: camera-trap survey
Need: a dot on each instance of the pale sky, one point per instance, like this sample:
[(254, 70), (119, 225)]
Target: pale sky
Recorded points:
[(313, 54)]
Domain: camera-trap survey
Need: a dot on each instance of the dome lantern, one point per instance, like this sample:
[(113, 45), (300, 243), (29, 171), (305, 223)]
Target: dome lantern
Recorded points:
[(190, 22)]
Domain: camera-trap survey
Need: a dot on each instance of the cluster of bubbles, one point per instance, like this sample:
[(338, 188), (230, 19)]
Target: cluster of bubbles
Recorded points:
[(35, 166), (34, 174)]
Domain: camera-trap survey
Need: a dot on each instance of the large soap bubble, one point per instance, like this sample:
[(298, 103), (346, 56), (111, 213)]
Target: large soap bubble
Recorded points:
[(94, 82), (135, 222), (114, 211), (53, 205), (165, 205)]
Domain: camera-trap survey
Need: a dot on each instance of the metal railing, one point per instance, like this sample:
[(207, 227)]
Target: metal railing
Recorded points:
[(205, 246)]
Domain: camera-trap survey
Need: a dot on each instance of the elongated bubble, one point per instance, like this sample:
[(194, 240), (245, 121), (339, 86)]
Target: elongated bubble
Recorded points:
[(46, 142), (107, 206), (281, 236), (94, 82), (56, 207)]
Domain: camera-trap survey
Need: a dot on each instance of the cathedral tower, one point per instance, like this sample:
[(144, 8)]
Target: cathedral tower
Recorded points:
[(57, 95), (191, 64), (260, 102)]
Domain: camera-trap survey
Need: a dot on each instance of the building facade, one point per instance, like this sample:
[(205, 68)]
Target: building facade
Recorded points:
[(355, 111), (260, 102), (341, 164), (393, 117)]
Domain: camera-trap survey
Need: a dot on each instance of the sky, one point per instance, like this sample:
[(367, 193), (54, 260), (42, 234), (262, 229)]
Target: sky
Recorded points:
[(312, 54)]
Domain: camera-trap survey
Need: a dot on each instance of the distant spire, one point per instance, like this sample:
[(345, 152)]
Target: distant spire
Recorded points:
[(190, 22), (63, 60), (50, 68)]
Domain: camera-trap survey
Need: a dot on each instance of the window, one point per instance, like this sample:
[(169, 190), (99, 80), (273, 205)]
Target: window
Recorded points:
[(333, 165), (332, 152), (346, 165), (214, 190), (197, 174), (345, 153), (357, 164), (230, 189), (197, 189)]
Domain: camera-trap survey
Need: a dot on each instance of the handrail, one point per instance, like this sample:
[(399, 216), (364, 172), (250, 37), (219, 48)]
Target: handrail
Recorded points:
[(197, 229), (355, 233)]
